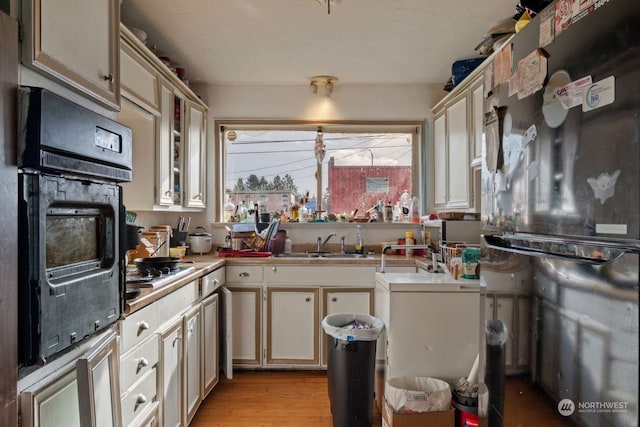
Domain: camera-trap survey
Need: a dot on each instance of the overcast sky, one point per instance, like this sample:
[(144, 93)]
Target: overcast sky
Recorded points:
[(271, 153)]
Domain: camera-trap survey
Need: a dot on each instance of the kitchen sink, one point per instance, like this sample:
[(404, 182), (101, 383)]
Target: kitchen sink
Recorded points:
[(344, 256)]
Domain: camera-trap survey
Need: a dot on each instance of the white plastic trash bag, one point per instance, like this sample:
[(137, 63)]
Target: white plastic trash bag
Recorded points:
[(340, 326), (408, 395)]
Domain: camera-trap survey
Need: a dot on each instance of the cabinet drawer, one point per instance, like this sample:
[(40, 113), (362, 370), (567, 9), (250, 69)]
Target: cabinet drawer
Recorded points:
[(139, 398), (243, 273), (319, 275), (140, 325), (135, 364), (212, 281)]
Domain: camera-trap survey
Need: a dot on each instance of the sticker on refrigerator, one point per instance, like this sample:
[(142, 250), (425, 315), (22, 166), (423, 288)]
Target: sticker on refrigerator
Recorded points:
[(599, 94), (571, 95), (604, 186), (611, 228), (532, 70), (530, 135), (563, 12), (554, 112), (547, 30)]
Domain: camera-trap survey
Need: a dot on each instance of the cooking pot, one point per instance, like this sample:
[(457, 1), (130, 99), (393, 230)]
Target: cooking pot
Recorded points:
[(200, 241), (157, 263)]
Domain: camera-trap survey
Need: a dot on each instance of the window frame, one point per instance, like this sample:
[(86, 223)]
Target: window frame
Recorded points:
[(415, 127)]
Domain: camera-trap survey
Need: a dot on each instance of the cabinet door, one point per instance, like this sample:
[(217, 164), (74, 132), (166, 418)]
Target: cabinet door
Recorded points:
[(99, 386), (292, 326), (440, 160), (458, 194), (195, 175), (165, 148), (88, 63), (139, 81), (344, 300), (209, 344), (226, 332), (193, 361), (138, 194), (53, 403), (522, 340), (172, 372), (246, 329), (477, 120)]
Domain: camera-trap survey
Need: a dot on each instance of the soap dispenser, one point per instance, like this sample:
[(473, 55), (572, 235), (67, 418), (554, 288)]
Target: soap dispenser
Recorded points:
[(359, 245)]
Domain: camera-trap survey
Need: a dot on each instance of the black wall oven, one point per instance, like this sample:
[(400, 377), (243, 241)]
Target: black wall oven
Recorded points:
[(71, 222)]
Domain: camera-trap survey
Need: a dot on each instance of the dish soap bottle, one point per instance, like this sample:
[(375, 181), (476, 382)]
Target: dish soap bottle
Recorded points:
[(359, 245)]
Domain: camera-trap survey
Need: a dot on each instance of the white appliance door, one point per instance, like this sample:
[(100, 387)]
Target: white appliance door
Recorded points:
[(226, 332)]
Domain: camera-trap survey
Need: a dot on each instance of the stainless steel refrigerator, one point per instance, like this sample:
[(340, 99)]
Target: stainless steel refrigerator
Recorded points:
[(561, 191)]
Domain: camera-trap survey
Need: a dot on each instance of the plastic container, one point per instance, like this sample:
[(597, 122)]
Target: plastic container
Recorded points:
[(466, 416), (359, 249), (351, 359)]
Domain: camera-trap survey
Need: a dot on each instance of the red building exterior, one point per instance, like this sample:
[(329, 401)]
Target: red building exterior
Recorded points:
[(361, 187)]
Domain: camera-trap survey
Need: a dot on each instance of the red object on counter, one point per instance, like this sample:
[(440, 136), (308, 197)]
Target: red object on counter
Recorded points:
[(401, 241)]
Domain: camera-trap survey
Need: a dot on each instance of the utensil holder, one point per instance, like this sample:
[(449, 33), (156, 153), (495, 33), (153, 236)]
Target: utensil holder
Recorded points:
[(178, 238)]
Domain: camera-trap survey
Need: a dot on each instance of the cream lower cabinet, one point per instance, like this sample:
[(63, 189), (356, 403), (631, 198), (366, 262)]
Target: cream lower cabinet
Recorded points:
[(292, 326), (172, 374), (83, 391), (53, 403), (514, 311), (210, 343), (293, 331), (244, 282), (193, 360)]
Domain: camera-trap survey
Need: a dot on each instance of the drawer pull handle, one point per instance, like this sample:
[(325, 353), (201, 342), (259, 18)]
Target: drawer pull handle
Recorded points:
[(334, 299), (108, 78), (141, 399), (244, 274), (142, 326), (307, 299), (215, 282), (142, 363)]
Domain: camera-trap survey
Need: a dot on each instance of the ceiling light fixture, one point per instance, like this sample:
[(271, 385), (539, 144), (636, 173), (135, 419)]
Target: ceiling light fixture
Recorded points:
[(329, 3), (328, 82)]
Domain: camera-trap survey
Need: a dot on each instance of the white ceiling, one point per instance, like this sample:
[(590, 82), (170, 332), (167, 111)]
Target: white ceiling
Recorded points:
[(289, 41)]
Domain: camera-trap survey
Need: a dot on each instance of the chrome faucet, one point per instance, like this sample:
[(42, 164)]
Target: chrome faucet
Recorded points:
[(321, 243)]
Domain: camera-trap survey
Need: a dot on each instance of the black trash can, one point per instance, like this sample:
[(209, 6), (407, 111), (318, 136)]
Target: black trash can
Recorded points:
[(351, 360)]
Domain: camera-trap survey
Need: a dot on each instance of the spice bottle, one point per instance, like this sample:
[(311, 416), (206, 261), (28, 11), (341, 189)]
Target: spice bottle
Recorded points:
[(408, 241)]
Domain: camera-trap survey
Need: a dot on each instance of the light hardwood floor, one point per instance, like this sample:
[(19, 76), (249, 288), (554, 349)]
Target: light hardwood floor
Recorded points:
[(299, 399)]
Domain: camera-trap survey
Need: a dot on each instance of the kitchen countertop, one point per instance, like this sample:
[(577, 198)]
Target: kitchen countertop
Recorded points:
[(426, 282), (205, 264)]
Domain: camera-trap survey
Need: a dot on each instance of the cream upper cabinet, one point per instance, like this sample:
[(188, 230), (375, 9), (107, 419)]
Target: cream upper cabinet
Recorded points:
[(458, 134), (458, 188), (477, 120), (77, 43), (195, 156), (165, 147), (440, 161), (139, 80), (169, 170)]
